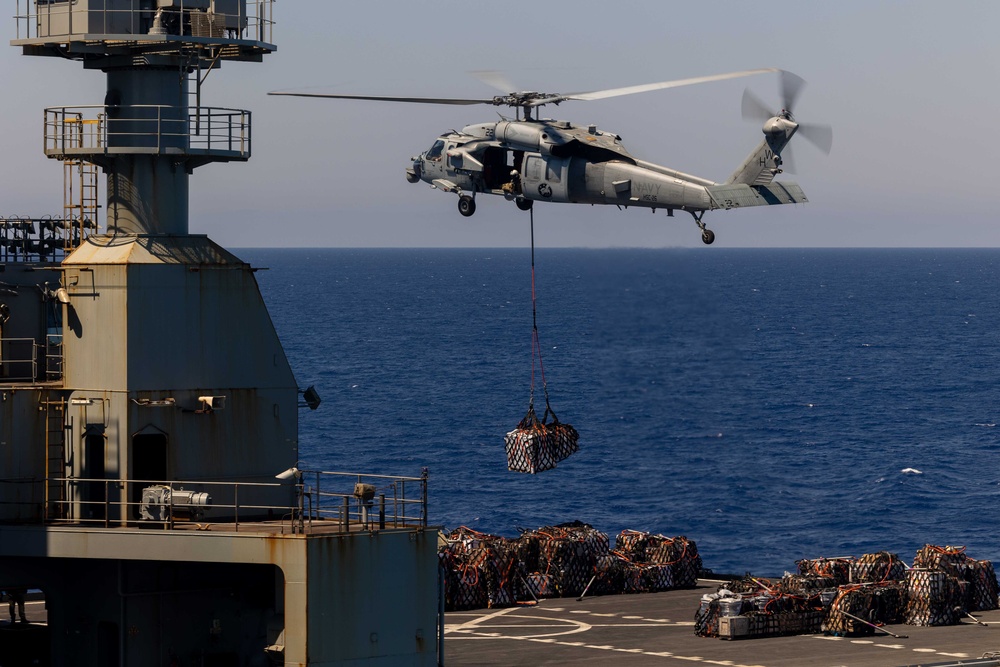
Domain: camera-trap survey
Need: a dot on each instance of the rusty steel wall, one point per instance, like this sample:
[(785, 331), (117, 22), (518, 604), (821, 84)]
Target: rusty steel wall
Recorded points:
[(153, 324)]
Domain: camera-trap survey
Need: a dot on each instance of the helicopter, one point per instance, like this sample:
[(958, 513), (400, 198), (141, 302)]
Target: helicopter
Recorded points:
[(527, 159)]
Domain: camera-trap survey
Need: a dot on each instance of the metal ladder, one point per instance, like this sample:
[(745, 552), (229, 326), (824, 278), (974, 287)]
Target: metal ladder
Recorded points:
[(80, 194), (55, 457)]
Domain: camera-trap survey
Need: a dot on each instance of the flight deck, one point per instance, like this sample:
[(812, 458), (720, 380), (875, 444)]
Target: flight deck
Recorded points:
[(658, 629)]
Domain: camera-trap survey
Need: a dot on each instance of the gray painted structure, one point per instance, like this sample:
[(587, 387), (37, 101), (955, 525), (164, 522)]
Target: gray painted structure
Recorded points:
[(146, 361)]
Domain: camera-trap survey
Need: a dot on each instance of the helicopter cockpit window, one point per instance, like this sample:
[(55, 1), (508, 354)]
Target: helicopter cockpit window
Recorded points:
[(435, 152)]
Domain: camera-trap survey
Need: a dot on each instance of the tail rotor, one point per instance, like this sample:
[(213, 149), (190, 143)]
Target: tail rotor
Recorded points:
[(819, 135)]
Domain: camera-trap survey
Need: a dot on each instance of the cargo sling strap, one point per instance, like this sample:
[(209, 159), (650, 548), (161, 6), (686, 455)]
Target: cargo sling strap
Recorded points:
[(535, 445)]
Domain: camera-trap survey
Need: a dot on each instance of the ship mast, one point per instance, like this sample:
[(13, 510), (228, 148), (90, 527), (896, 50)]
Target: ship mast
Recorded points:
[(151, 131)]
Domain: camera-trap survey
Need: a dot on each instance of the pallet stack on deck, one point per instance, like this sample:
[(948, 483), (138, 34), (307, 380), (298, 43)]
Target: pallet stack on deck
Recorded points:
[(945, 584), (852, 596), (566, 560)]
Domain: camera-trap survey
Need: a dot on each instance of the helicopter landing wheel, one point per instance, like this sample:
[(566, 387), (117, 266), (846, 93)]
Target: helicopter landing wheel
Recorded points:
[(466, 205), (524, 204), (707, 235), (412, 177)]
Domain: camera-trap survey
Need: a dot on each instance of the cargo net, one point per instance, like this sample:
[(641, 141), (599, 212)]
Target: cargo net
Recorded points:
[(753, 607), (837, 568), (976, 579), (845, 596), (537, 445), (935, 598), (565, 560), (479, 570), (679, 554), (570, 553), (877, 568)]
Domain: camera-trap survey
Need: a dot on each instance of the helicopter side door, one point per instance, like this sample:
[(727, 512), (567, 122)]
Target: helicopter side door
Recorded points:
[(545, 178)]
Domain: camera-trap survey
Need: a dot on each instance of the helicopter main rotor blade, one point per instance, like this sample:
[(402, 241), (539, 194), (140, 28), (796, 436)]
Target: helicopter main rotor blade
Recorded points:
[(494, 79), (379, 98), (644, 88)]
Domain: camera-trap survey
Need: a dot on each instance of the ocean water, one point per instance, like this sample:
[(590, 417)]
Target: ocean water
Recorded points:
[(764, 403)]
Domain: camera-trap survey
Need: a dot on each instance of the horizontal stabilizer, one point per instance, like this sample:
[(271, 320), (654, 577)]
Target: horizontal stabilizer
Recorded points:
[(736, 195)]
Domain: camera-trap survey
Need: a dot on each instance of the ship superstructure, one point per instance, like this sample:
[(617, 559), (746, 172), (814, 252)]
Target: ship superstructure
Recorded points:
[(149, 416)]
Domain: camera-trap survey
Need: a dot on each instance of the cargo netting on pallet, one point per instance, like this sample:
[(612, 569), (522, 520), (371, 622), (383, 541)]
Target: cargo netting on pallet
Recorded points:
[(480, 570), (846, 596), (947, 559), (837, 568), (935, 597), (530, 447), (858, 608), (877, 568), (564, 560), (983, 587), (753, 608), (679, 553), (537, 444), (946, 583)]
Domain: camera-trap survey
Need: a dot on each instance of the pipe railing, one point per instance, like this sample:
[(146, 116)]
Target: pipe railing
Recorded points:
[(250, 20), (146, 128), (305, 503)]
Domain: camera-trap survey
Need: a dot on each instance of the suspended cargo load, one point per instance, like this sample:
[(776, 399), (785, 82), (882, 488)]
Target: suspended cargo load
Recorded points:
[(535, 446), (530, 446)]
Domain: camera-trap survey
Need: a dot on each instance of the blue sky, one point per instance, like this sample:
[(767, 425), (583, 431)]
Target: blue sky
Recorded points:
[(910, 89)]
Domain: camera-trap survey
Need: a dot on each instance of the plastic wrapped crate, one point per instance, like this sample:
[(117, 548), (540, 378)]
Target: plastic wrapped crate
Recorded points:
[(804, 584), (945, 559), (540, 585), (632, 544), (934, 597), (837, 568), (565, 439), (530, 447), (982, 586), (889, 603), (850, 602), (610, 579), (480, 570), (678, 552), (465, 588), (571, 560), (877, 568), (706, 618)]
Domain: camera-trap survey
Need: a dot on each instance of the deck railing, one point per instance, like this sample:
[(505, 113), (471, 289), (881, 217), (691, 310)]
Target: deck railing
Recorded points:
[(249, 20), (306, 502), (146, 129)]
